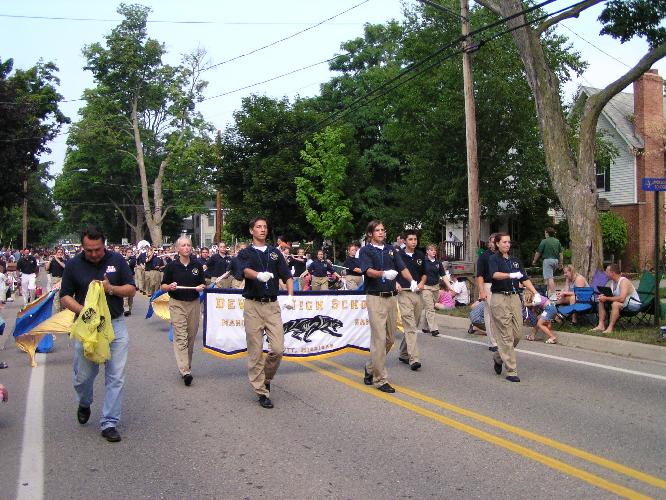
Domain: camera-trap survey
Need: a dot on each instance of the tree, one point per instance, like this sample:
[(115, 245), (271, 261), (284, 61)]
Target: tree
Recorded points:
[(29, 119), (614, 230), (155, 106), (571, 167), (319, 189), (260, 157)]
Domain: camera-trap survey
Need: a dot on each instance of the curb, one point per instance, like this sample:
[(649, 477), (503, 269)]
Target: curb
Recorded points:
[(589, 342)]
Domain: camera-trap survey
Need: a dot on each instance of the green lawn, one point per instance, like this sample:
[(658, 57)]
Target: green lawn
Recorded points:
[(645, 334)]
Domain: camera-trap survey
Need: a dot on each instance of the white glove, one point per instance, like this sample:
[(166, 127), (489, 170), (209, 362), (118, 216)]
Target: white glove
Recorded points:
[(413, 286), (537, 299), (390, 274), (516, 276), (290, 303), (264, 277)]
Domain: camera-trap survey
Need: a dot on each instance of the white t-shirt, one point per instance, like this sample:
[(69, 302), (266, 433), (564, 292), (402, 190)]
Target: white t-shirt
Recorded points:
[(460, 287)]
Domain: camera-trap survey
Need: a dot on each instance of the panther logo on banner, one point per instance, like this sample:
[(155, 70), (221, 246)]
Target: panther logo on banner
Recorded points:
[(319, 325)]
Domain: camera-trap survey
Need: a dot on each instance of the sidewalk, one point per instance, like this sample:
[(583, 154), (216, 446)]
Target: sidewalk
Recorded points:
[(589, 342)]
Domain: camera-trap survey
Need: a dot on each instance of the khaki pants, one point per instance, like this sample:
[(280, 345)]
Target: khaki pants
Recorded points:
[(410, 312), (486, 316), (127, 304), (237, 283), (507, 318), (430, 296), (319, 283), (353, 282), (185, 321), (152, 280), (383, 316), (56, 300), (140, 275), (263, 317)]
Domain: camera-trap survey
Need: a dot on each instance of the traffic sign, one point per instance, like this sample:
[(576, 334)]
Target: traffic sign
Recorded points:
[(654, 184)]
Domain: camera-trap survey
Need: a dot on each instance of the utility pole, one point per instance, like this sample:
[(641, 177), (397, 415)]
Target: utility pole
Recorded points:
[(470, 135), (218, 217), (25, 211)]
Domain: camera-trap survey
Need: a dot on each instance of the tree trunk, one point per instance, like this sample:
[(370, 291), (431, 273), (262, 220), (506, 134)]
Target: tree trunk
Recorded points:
[(154, 223), (573, 181)]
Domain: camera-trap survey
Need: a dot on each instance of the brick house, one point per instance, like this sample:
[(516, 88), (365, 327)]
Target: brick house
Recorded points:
[(634, 124)]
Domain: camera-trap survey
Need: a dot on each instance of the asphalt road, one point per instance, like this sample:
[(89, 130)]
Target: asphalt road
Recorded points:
[(453, 430)]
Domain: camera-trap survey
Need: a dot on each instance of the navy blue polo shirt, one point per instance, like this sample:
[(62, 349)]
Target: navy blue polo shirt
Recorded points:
[(153, 264), (79, 272), (236, 270), (141, 259), (379, 259), (191, 274), (415, 265), (319, 268), (27, 265), (483, 266), (498, 264), (218, 265), (352, 263), (299, 264), (131, 262), (433, 270), (270, 260), (56, 269)]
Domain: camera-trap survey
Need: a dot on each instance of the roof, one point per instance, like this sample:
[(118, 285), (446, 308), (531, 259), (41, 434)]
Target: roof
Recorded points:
[(619, 111)]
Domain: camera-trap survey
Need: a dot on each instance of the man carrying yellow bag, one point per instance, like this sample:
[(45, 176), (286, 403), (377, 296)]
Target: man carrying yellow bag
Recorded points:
[(100, 334)]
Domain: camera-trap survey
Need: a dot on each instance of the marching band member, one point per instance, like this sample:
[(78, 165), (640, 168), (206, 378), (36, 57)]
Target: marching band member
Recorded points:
[(263, 266), (184, 305), (381, 263)]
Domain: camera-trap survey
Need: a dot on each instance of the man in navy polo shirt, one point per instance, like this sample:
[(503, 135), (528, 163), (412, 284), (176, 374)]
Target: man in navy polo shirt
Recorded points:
[(97, 263), (381, 264), (263, 266)]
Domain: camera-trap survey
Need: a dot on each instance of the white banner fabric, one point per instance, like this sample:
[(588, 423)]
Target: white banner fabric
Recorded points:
[(322, 324)]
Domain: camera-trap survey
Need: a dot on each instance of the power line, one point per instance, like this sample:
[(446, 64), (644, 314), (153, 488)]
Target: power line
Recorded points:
[(164, 21), (418, 64), (270, 79), (285, 38), (598, 48)]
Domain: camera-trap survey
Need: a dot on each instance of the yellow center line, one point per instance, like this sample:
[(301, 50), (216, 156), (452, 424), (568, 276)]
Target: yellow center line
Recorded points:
[(576, 452), (485, 436)]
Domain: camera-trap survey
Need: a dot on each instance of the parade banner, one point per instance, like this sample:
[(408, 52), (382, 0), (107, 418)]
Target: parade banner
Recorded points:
[(322, 324)]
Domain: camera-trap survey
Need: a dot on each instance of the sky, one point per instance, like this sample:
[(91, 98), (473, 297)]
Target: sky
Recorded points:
[(57, 30)]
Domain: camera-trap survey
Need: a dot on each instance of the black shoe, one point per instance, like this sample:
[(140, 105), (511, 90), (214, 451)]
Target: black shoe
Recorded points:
[(187, 379), (425, 330), (386, 388), (470, 330), (415, 366), (82, 414), (403, 360), (498, 367), (265, 402), (367, 377), (434, 333), (492, 348), (267, 385), (127, 313), (111, 435), (513, 378)]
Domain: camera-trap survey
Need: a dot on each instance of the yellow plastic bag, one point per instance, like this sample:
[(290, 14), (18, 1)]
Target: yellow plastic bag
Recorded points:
[(93, 326)]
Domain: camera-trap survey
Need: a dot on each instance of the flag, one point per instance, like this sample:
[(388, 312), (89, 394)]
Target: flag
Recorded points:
[(37, 320), (159, 305)]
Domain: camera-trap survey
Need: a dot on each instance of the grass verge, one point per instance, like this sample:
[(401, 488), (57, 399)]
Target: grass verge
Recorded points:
[(643, 334)]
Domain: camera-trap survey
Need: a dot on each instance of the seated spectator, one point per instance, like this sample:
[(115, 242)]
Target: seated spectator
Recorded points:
[(624, 296), (476, 320), (459, 291), (445, 300)]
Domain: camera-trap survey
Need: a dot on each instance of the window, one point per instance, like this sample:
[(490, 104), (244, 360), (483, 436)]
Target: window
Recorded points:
[(603, 176), (211, 219)]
